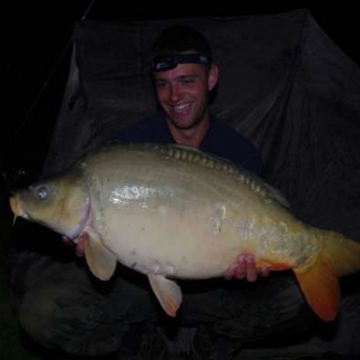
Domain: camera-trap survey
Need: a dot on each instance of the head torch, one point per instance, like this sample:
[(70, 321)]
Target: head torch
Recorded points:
[(169, 61)]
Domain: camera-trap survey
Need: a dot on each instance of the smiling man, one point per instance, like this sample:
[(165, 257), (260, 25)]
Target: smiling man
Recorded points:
[(185, 77), (183, 93)]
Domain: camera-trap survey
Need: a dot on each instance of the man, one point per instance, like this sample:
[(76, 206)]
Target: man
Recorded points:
[(64, 308), (184, 77)]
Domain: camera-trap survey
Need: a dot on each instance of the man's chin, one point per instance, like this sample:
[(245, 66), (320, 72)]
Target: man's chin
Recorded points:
[(183, 124)]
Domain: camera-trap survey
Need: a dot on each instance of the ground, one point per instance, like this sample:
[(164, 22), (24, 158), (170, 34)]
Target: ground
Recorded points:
[(11, 346)]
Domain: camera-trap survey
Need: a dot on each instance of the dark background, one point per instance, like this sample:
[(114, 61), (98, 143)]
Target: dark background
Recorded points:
[(35, 40), (35, 49)]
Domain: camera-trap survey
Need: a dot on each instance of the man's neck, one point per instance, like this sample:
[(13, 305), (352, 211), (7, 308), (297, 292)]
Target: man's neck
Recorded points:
[(190, 137)]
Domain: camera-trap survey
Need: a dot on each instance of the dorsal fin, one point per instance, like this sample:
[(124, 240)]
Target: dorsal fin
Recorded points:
[(217, 163), (194, 155)]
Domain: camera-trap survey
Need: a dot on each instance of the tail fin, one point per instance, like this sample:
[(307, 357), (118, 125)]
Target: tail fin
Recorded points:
[(320, 282)]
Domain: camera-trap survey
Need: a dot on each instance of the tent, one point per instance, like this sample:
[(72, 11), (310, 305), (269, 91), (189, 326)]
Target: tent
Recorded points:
[(283, 84)]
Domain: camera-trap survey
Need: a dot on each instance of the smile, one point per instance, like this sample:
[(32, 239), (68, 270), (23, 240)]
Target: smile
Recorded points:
[(181, 108)]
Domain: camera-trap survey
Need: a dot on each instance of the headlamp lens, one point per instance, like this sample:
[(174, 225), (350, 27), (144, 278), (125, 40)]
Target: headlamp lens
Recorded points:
[(169, 61)]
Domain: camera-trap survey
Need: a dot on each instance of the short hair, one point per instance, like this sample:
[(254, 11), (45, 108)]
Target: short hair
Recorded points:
[(179, 38)]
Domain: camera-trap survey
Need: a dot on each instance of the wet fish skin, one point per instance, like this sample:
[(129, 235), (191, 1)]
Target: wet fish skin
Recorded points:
[(174, 212)]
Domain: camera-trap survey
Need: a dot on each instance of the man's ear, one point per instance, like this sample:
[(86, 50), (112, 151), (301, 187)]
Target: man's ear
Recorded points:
[(213, 76)]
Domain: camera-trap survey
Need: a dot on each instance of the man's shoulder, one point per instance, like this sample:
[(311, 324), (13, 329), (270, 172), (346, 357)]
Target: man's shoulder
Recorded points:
[(225, 141), (223, 127)]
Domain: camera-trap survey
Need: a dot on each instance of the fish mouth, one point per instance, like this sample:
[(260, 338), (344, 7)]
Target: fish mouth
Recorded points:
[(72, 233), (16, 208)]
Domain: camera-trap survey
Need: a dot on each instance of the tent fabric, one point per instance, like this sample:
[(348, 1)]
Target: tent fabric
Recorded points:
[(283, 84)]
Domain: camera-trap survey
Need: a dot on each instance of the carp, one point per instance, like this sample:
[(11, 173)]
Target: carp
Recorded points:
[(172, 212)]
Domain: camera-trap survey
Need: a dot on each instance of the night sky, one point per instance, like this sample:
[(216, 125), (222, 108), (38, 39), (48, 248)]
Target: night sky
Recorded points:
[(35, 41)]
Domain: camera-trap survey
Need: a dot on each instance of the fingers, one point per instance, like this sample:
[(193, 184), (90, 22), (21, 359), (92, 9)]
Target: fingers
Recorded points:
[(83, 240), (249, 268), (67, 241), (231, 272), (244, 267), (265, 271), (80, 243)]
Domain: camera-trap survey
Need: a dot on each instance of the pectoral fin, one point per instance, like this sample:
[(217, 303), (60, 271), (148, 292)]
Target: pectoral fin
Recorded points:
[(101, 261), (167, 292)]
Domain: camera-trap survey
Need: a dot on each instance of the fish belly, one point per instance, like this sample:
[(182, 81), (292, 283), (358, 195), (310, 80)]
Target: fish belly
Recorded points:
[(171, 217), (162, 241)]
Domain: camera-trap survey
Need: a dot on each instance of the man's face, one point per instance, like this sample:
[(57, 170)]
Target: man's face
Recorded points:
[(183, 93)]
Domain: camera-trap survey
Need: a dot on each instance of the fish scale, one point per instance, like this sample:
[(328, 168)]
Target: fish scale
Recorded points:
[(185, 153)]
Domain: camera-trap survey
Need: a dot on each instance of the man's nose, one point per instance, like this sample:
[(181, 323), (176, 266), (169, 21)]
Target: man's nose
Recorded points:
[(175, 93)]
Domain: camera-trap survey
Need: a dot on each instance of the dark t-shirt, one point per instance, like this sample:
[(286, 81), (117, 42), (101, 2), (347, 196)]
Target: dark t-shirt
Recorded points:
[(221, 140)]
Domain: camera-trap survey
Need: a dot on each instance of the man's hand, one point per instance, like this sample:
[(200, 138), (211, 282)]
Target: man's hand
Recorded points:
[(244, 268), (80, 244)]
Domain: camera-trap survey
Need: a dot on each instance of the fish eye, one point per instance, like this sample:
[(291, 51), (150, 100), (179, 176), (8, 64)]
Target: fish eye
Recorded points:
[(42, 192)]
